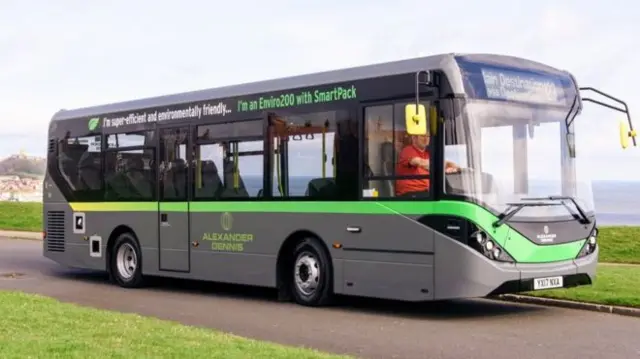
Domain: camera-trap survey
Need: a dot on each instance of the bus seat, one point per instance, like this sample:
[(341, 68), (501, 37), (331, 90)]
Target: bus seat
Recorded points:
[(179, 173), (368, 172), (89, 171), (387, 155), (211, 182), (321, 188), (70, 160), (119, 185), (229, 191), (168, 187), (136, 174)]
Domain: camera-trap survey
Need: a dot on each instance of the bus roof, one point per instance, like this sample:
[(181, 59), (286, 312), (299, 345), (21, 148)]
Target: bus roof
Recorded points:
[(440, 61)]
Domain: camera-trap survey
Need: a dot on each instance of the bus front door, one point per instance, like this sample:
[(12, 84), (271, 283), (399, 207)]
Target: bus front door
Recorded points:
[(173, 207)]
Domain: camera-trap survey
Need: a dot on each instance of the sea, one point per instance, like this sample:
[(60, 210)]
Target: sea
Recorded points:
[(615, 202)]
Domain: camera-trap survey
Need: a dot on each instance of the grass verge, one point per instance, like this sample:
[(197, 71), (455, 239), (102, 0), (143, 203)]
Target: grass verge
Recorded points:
[(21, 216), (36, 326), (619, 244), (614, 285)]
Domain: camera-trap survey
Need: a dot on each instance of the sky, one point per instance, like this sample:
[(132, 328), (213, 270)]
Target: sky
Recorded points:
[(70, 53)]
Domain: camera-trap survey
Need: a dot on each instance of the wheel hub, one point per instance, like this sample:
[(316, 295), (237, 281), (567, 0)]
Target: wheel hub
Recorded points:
[(126, 261), (307, 273)]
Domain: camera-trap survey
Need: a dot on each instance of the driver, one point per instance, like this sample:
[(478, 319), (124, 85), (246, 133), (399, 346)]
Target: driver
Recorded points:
[(414, 160)]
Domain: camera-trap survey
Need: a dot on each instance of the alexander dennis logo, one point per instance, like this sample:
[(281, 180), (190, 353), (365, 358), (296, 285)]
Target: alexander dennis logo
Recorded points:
[(546, 237), (93, 123), (226, 221)]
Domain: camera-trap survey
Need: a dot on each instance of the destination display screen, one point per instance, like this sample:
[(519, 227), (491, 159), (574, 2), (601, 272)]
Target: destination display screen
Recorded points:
[(492, 82)]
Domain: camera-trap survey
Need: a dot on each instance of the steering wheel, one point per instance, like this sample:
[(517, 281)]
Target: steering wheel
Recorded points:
[(461, 170)]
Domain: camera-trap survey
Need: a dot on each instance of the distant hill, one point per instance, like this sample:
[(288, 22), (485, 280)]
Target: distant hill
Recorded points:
[(23, 166)]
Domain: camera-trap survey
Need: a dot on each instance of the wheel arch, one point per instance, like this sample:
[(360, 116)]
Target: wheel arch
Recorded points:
[(119, 230)]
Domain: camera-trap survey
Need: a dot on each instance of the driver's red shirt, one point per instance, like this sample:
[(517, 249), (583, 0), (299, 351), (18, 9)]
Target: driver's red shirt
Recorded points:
[(403, 168)]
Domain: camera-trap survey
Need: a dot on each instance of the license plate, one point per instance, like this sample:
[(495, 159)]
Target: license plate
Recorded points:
[(546, 283)]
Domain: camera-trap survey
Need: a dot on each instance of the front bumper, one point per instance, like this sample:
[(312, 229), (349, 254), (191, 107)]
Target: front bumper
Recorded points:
[(576, 272), (464, 273)]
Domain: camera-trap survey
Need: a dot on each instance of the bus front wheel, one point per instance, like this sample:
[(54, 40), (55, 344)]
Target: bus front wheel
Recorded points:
[(311, 274), (126, 263)]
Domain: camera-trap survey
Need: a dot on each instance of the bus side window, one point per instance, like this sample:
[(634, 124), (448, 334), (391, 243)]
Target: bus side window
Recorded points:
[(380, 148), (226, 168), (386, 138), (79, 163), (129, 170), (242, 165), (128, 178), (208, 184), (173, 156), (310, 145)]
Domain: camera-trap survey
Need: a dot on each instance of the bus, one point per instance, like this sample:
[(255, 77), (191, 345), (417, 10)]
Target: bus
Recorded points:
[(310, 185)]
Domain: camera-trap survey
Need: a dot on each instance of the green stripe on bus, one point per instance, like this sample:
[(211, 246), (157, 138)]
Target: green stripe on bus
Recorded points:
[(114, 206), (173, 206)]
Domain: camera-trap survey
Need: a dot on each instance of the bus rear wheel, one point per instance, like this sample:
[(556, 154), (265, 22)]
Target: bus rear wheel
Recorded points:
[(126, 261), (311, 274)]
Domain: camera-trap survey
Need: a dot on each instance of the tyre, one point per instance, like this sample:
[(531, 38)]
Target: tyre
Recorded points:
[(312, 275), (126, 262)]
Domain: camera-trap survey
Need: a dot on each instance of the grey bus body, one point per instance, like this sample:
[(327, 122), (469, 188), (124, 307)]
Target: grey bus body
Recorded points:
[(341, 240)]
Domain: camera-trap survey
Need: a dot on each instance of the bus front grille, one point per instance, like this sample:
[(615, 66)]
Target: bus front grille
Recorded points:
[(55, 231)]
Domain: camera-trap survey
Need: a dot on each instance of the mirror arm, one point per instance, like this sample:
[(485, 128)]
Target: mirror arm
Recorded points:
[(631, 133)]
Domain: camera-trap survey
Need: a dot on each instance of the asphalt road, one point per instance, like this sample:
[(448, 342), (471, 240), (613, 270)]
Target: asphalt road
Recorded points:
[(363, 328)]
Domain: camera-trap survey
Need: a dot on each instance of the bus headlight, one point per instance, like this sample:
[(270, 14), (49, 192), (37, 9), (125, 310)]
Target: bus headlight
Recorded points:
[(489, 245), (490, 248), (590, 244)]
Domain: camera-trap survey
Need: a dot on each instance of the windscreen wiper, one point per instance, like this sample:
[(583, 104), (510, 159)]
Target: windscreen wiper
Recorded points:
[(507, 215), (585, 219)]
